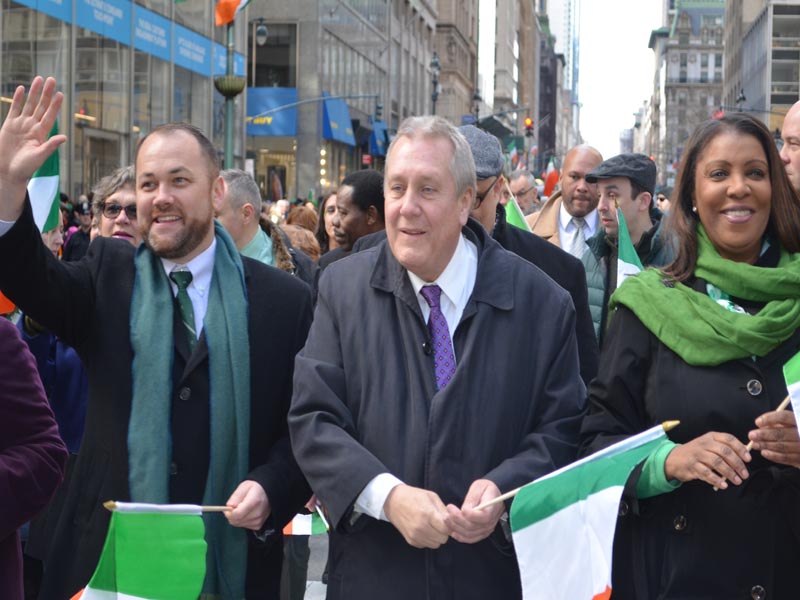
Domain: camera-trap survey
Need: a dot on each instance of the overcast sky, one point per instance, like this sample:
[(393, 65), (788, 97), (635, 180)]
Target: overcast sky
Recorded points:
[(616, 67)]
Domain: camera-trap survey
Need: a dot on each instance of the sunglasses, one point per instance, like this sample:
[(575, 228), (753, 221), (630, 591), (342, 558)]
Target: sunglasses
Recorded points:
[(111, 211)]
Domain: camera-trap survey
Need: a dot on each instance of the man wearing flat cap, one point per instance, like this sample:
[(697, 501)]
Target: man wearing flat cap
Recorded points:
[(627, 182), (561, 266), (425, 388)]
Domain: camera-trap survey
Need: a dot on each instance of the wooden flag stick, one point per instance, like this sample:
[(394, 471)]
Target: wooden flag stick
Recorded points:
[(112, 505), (667, 425)]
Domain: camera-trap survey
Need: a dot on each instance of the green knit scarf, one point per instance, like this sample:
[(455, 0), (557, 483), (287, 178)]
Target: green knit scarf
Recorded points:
[(702, 332), (149, 440)]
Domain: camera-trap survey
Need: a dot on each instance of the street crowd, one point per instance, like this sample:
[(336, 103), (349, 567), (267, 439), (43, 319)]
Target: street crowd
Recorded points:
[(400, 354)]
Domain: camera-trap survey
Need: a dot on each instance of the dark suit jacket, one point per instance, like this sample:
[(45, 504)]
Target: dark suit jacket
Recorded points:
[(87, 304), (563, 268), (32, 456)]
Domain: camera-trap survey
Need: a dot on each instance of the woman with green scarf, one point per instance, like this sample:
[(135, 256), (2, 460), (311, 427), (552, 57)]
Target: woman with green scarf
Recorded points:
[(704, 341)]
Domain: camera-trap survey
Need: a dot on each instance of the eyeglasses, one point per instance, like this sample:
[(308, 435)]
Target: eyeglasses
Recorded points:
[(479, 197), (111, 211), (525, 192)]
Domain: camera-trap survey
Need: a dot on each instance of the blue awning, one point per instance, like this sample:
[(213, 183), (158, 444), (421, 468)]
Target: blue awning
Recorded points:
[(379, 140), (279, 123), (336, 123)]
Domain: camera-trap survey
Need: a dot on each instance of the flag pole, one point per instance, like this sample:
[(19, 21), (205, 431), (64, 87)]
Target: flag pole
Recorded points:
[(112, 505), (781, 406), (666, 425)]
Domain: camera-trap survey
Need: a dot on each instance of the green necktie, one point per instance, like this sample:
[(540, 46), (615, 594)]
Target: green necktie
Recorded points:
[(182, 279)]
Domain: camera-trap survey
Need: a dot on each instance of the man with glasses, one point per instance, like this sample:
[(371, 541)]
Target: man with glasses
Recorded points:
[(523, 185), (567, 271), (114, 206)]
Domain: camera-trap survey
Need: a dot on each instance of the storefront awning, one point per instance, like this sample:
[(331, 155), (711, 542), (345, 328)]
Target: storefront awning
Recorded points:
[(279, 123), (336, 123), (379, 140)]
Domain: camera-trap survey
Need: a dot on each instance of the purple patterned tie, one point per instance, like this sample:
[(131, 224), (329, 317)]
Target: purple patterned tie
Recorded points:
[(444, 360)]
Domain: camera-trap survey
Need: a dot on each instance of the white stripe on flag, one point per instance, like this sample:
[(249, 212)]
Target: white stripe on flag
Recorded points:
[(583, 573), (42, 191)]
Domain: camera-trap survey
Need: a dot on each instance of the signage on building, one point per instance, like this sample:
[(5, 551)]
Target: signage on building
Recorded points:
[(264, 100), (109, 18), (192, 51), (152, 33), (60, 9), (366, 160)]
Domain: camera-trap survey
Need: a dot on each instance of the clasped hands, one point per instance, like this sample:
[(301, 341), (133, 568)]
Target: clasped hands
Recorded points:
[(720, 458), (425, 522)]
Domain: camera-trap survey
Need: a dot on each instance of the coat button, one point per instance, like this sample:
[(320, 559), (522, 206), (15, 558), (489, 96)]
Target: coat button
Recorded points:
[(185, 393), (757, 592), (624, 509), (679, 523), (173, 468), (754, 387)]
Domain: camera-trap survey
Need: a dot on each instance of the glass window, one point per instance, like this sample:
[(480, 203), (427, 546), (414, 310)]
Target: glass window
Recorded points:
[(276, 60), (159, 6), (191, 98), (150, 103), (195, 15)]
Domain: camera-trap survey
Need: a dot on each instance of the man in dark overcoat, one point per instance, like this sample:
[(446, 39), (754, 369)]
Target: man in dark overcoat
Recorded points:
[(425, 389), (189, 350)]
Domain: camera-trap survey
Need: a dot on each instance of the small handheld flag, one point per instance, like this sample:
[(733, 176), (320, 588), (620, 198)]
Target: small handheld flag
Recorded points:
[(43, 191), (312, 524), (628, 262), (152, 552)]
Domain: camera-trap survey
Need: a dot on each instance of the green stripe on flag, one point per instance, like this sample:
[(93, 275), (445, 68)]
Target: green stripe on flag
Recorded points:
[(791, 370), (549, 495), (628, 262), (43, 190), (152, 555), (514, 215)]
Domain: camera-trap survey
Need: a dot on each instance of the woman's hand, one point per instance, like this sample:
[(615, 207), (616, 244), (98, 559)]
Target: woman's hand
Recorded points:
[(715, 458), (777, 437)]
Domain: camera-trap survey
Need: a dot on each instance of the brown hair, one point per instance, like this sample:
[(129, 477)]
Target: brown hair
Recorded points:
[(302, 239), (302, 216), (206, 147), (784, 218)]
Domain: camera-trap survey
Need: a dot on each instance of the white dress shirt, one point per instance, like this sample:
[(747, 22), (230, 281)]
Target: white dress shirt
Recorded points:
[(457, 282), (567, 230), (201, 267)]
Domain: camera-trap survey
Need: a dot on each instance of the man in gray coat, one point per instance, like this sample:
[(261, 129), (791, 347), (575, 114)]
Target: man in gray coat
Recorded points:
[(424, 388)]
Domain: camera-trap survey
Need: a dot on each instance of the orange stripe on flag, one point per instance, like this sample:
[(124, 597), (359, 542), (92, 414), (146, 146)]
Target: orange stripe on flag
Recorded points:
[(226, 11), (6, 305), (604, 595), (78, 595)]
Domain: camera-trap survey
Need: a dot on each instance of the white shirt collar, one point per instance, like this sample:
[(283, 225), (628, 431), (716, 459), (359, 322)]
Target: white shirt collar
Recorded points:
[(565, 220), (452, 280), (201, 267)]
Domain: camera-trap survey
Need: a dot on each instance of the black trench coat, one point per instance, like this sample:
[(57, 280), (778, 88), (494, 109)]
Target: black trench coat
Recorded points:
[(740, 543)]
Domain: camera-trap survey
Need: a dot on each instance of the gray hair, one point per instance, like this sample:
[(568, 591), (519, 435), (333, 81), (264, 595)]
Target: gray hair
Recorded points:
[(462, 165), (109, 185), (241, 189), (523, 173)]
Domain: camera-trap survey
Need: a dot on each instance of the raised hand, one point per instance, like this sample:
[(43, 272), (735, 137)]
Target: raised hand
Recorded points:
[(777, 437), (24, 144), (715, 458)]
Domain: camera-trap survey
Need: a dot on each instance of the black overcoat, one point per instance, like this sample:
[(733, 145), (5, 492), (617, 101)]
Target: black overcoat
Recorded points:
[(87, 304), (740, 543), (365, 402)]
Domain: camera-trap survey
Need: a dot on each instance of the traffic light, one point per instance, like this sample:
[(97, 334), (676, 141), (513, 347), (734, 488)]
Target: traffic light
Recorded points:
[(378, 111), (528, 127)]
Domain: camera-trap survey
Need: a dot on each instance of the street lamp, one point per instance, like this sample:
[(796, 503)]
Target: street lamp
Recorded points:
[(436, 68), (230, 86), (260, 36)]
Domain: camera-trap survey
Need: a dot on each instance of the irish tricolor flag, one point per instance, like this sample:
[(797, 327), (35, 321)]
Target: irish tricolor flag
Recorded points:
[(43, 191), (312, 524), (563, 523), (228, 9), (153, 552), (628, 262), (791, 374), (514, 214)]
